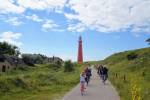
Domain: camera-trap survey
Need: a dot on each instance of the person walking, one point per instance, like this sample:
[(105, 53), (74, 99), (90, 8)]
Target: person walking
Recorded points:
[(88, 75), (82, 83), (105, 74), (100, 72), (90, 71)]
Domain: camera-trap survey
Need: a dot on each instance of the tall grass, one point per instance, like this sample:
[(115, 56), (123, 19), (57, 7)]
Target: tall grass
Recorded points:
[(136, 84), (37, 83)]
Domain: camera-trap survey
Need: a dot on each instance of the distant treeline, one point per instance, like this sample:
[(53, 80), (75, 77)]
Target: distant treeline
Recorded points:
[(29, 59)]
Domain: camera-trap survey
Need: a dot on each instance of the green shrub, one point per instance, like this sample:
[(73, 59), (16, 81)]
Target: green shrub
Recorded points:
[(54, 66), (46, 79), (132, 56), (68, 66), (19, 82), (4, 88)]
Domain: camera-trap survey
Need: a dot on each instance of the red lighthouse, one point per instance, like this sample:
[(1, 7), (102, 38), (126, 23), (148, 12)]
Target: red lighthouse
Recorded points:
[(80, 53)]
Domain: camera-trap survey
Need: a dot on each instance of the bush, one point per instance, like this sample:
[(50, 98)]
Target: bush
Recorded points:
[(4, 88), (19, 82), (54, 66), (59, 63), (46, 79), (132, 56), (25, 68), (68, 66), (28, 60)]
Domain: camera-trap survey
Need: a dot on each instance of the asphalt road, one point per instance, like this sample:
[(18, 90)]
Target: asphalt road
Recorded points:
[(96, 90)]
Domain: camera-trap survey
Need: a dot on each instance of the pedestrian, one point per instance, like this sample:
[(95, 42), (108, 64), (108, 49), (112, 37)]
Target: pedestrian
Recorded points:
[(88, 74), (100, 71), (82, 83), (105, 74)]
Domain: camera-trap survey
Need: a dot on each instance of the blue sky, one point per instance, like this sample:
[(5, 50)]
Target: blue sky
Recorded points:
[(52, 27)]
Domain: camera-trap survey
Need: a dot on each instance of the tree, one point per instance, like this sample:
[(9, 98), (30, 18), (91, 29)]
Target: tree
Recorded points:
[(28, 59), (68, 66), (148, 40), (8, 49), (31, 59)]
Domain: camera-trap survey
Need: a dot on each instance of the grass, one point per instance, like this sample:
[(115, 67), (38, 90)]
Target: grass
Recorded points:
[(42, 82), (135, 71)]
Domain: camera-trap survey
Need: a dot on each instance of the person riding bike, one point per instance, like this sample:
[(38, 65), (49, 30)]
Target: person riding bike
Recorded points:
[(82, 83)]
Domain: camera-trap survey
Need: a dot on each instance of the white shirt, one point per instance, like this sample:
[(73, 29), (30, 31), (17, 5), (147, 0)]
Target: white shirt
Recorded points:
[(82, 78)]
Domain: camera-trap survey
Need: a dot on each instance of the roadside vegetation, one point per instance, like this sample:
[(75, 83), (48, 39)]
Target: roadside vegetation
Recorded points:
[(39, 78), (41, 82), (129, 72)]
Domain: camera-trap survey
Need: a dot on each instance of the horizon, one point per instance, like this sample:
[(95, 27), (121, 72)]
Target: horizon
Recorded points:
[(52, 28)]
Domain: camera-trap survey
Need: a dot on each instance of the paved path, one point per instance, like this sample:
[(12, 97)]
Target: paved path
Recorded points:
[(95, 91)]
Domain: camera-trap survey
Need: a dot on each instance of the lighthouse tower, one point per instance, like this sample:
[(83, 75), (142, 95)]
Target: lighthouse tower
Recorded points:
[(80, 53)]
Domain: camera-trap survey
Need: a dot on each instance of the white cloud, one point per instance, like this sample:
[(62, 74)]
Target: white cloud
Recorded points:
[(46, 24), (35, 18), (42, 4), (8, 6), (11, 38), (100, 15), (49, 25), (20, 6), (14, 21), (71, 16), (76, 27), (136, 34), (111, 15)]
